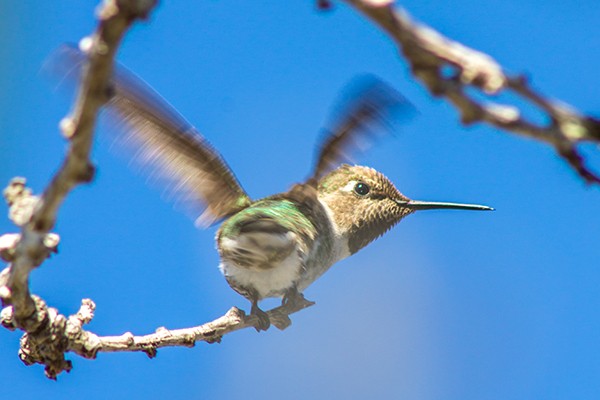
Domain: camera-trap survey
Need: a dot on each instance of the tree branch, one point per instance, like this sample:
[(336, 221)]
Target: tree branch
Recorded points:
[(37, 216), (70, 336), (49, 334), (448, 69)]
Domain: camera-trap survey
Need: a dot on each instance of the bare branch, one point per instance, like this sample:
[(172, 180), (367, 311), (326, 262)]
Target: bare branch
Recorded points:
[(68, 335), (37, 215), (210, 332), (448, 69), (49, 334)]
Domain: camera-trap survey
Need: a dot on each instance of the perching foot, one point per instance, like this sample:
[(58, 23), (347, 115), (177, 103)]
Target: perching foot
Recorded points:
[(263, 319), (294, 300)]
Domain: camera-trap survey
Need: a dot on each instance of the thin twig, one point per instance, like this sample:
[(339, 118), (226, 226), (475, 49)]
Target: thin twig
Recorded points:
[(448, 69)]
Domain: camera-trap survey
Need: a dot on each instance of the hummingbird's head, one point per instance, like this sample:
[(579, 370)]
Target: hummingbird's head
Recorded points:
[(365, 204)]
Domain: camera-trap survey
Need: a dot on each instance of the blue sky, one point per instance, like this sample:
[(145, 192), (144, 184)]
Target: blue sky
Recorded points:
[(448, 305)]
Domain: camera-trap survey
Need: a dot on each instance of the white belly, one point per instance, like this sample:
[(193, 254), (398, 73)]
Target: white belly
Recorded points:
[(268, 283)]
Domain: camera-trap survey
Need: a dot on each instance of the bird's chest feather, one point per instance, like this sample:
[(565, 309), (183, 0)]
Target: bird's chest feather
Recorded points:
[(277, 244), (268, 263)]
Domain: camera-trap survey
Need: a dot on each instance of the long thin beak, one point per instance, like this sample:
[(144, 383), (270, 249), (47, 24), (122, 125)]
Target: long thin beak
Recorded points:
[(433, 205)]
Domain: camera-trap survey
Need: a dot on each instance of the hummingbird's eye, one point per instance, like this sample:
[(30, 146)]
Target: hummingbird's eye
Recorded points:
[(361, 189)]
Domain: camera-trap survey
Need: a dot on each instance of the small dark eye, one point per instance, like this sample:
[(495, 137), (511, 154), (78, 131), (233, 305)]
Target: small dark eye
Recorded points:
[(361, 188)]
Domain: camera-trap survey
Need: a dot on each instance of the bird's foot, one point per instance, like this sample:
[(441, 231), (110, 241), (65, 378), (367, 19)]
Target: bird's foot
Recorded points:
[(280, 320), (294, 300), (263, 318)]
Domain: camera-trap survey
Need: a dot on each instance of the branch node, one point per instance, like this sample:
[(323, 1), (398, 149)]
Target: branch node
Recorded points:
[(102, 48), (8, 244), (504, 113), (235, 313), (86, 173), (51, 241), (36, 320), (150, 351), (6, 317), (213, 340), (21, 201), (128, 338), (25, 351), (67, 127), (85, 44), (15, 190), (86, 311), (107, 9), (163, 331), (5, 294), (190, 340), (210, 336), (471, 115)]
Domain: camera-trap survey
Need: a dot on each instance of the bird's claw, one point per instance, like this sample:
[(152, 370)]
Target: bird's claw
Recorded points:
[(264, 321), (280, 321), (294, 300)]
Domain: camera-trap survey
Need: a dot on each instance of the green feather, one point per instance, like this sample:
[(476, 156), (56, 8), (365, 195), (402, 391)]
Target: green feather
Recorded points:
[(283, 212)]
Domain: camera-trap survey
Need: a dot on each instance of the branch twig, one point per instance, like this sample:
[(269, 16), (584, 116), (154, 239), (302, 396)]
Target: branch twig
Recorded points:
[(37, 216), (69, 332), (448, 69), (49, 334)]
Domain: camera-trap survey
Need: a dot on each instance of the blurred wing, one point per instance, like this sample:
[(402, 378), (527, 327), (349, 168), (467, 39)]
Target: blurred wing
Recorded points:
[(370, 107), (165, 141)]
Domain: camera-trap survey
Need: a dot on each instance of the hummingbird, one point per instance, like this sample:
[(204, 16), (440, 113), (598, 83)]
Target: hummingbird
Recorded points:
[(279, 245)]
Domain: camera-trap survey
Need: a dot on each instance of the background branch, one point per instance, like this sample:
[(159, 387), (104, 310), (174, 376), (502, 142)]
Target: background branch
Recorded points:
[(449, 69)]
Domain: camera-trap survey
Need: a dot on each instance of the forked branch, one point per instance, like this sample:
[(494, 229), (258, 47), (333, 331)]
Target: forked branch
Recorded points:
[(448, 69), (37, 215)]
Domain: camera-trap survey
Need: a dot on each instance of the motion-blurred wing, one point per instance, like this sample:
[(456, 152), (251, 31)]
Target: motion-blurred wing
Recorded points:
[(370, 107), (164, 140)]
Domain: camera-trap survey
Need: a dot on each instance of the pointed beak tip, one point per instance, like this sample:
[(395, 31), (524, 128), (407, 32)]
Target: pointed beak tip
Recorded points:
[(477, 207)]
